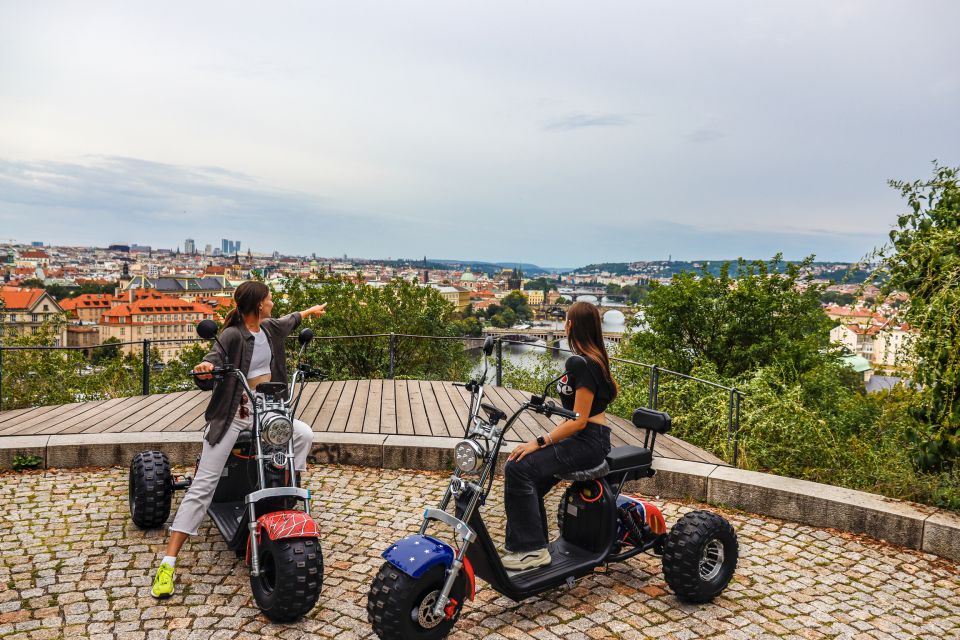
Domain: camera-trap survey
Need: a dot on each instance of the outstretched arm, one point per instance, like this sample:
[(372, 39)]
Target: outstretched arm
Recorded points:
[(314, 311)]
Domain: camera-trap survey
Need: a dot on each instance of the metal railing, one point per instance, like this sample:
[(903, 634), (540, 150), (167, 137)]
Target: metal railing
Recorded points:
[(734, 396)]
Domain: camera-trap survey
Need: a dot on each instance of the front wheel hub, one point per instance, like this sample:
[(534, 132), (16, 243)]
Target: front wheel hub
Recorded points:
[(424, 615)]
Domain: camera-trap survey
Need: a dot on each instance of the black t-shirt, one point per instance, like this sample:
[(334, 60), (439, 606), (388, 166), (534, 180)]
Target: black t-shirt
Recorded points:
[(584, 372)]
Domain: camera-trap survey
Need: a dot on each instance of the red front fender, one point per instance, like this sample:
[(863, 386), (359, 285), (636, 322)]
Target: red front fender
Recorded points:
[(285, 524)]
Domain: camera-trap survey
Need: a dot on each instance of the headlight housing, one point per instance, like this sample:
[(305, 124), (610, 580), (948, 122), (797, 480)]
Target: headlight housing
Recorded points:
[(276, 429), (468, 455)]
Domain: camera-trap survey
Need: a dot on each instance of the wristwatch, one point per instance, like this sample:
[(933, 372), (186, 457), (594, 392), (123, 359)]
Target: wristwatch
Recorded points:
[(541, 441)]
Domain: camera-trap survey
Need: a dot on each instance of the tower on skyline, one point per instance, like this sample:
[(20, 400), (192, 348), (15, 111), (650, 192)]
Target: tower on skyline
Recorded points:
[(229, 247), (515, 281)]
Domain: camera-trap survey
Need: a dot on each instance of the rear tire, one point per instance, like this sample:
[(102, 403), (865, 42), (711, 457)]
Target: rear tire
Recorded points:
[(150, 489), (700, 556), (291, 576), (397, 606)]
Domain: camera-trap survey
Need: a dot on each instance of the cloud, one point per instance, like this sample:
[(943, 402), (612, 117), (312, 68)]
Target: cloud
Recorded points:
[(141, 188), (105, 199), (109, 198), (578, 120), (655, 239), (704, 134)]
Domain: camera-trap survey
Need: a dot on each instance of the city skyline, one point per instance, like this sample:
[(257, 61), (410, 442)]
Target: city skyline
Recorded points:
[(550, 130), (151, 253)]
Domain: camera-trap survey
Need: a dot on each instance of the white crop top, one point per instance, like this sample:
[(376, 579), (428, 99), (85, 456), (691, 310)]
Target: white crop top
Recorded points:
[(260, 362)]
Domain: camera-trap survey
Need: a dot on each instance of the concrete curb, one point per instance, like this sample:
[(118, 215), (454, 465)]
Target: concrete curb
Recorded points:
[(910, 525), (11, 446), (820, 505)]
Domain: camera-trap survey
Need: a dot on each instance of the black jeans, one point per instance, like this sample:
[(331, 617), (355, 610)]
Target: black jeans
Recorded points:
[(527, 481)]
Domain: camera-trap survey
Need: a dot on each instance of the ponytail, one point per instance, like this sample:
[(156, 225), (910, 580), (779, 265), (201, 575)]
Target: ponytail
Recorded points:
[(247, 297)]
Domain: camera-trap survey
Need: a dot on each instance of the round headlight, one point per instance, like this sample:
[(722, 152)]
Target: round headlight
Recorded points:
[(276, 430), (468, 455)]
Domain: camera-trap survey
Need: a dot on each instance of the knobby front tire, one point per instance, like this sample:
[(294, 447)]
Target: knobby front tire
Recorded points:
[(398, 606), (291, 577)]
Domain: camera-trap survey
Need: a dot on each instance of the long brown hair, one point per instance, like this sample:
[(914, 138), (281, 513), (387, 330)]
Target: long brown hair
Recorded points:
[(586, 338), (248, 297)]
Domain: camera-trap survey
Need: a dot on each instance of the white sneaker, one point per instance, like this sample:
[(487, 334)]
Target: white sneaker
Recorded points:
[(523, 560)]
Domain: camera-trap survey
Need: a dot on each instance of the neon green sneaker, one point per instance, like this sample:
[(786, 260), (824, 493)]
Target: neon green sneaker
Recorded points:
[(163, 581)]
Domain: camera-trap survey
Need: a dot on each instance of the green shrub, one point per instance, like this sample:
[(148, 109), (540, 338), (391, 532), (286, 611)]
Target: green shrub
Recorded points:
[(818, 425), (23, 461)]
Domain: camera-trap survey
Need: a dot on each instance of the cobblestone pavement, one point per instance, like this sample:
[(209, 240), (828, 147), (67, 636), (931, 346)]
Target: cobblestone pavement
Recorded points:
[(72, 565)]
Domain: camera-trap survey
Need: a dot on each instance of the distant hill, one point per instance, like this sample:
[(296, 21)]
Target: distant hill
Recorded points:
[(833, 271), (490, 268)]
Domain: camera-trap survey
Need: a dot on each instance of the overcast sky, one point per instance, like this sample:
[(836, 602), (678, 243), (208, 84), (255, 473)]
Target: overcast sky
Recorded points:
[(560, 133)]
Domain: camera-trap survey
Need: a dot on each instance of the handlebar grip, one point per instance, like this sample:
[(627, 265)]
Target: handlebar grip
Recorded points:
[(217, 371), (552, 408)]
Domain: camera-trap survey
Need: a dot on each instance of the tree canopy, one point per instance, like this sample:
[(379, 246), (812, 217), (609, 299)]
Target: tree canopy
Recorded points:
[(513, 308), (923, 260), (357, 309), (770, 313), (541, 284)]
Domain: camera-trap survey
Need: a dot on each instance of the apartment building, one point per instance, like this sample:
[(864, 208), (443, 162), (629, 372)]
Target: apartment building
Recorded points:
[(156, 317), (457, 296), (883, 345), (534, 296), (188, 287), (24, 310), (890, 347), (89, 307)]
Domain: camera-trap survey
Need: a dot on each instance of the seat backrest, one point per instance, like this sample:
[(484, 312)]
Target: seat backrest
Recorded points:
[(651, 420)]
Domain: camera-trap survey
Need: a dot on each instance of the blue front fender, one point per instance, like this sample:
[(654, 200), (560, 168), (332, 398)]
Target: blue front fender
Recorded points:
[(416, 554)]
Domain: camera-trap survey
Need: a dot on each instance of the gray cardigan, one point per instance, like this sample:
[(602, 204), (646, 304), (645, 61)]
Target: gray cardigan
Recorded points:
[(238, 343)]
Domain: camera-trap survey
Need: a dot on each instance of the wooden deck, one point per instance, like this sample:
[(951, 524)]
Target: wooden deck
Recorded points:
[(402, 407)]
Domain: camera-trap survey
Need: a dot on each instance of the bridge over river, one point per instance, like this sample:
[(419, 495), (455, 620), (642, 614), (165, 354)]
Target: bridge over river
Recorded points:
[(549, 335)]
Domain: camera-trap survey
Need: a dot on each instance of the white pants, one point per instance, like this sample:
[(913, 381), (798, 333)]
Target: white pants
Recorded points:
[(212, 459)]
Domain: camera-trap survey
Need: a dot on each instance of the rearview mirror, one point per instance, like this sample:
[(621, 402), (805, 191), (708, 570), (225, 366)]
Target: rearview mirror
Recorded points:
[(207, 329), (488, 346), (306, 335), (546, 389)]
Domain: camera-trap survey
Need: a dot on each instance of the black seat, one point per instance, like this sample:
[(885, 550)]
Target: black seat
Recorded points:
[(494, 415), (596, 472), (629, 457)]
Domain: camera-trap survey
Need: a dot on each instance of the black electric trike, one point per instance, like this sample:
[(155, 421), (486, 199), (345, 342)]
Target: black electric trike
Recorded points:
[(253, 506), (420, 590)]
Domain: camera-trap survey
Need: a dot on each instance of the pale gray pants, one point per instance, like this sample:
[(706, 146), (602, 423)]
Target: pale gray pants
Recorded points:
[(212, 460)]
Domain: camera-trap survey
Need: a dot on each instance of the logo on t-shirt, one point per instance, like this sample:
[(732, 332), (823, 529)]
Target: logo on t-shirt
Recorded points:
[(563, 386)]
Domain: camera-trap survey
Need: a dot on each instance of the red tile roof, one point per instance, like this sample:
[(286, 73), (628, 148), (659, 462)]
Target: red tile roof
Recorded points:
[(154, 306), (19, 299), (90, 301), (856, 312)]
